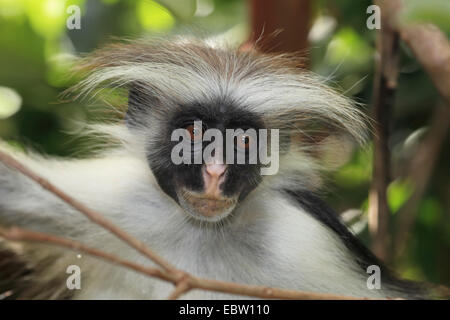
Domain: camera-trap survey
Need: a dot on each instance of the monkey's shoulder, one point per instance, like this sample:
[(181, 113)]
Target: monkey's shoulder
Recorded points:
[(321, 211)]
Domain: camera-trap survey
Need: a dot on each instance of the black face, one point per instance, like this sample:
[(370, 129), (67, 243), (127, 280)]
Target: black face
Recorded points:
[(202, 190)]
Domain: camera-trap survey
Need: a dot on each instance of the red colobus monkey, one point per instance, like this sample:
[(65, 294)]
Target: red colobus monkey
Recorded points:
[(217, 220)]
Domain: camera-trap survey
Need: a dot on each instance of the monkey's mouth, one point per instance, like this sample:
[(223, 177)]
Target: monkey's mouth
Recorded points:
[(204, 207)]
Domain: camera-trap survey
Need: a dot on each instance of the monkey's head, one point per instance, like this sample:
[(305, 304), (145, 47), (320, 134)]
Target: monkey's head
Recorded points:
[(204, 154), (216, 123)]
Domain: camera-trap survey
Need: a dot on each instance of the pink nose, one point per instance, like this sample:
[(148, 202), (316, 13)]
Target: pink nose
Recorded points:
[(216, 170), (213, 176)]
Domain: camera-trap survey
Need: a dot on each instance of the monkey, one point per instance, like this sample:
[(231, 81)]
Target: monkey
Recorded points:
[(214, 219)]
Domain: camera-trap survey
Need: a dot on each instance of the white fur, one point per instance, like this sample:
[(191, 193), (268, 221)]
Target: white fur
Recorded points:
[(270, 242)]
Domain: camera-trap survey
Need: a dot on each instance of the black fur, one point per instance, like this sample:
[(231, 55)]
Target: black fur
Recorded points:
[(221, 115), (23, 275), (363, 256)]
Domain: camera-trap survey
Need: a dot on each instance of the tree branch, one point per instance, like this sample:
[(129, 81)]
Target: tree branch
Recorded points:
[(19, 234), (184, 283), (420, 171), (279, 25), (431, 48), (383, 102), (183, 286), (89, 213)]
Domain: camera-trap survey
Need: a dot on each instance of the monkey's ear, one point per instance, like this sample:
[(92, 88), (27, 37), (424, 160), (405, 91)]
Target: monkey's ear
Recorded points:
[(329, 144), (139, 105), (330, 150)]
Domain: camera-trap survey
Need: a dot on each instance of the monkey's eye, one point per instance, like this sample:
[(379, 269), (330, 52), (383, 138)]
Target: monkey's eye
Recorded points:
[(195, 132), (244, 141)]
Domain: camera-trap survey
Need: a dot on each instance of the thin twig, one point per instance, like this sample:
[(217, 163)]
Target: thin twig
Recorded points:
[(183, 284), (384, 89), (19, 234), (89, 213), (263, 292), (431, 48), (420, 171)]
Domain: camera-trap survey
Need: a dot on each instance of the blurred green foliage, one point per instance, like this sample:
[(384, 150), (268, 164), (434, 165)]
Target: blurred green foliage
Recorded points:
[(37, 50), (430, 11)]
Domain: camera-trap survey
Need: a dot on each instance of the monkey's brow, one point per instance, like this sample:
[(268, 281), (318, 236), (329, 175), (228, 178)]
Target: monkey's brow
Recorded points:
[(237, 119)]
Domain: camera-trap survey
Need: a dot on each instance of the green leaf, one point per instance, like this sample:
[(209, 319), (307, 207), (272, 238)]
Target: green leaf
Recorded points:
[(430, 11), (398, 192), (430, 211), (349, 49), (358, 171), (154, 16)]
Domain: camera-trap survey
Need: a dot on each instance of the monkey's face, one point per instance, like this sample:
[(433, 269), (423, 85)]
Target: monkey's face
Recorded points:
[(204, 158)]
